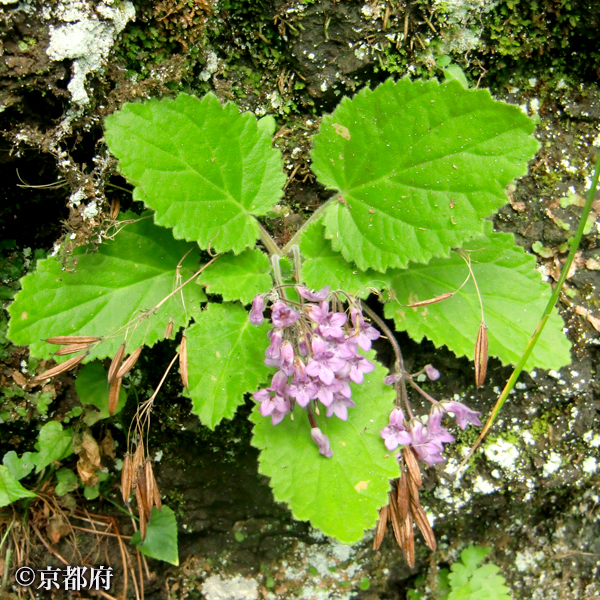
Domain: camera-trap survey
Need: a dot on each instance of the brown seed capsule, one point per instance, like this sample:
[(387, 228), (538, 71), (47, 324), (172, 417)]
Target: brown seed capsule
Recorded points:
[(72, 348), (435, 300), (423, 523), (66, 366), (129, 363), (113, 396), (138, 458), (183, 362), (169, 329), (115, 207), (403, 497), (409, 548), (481, 354), (116, 363), (142, 486), (141, 511), (61, 340), (412, 465), (382, 524), (149, 482), (395, 519), (155, 491), (126, 477)]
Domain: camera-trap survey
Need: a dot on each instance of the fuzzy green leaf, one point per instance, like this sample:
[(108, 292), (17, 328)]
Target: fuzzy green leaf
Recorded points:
[(341, 495), (92, 388), (225, 360), (66, 481), (205, 168), (513, 294), (161, 536), (323, 266), (417, 166), (238, 277), (108, 289), (10, 489), (54, 443)]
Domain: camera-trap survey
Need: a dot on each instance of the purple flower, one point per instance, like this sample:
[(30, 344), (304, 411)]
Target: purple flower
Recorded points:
[(322, 441), (256, 314), (311, 295), (273, 352), (302, 388), (364, 332), (339, 407), (325, 391), (427, 445), (395, 433), (462, 413), (434, 426), (303, 348), (391, 379), (283, 316), (432, 372), (287, 358), (359, 365), (273, 400), (325, 363), (330, 323)]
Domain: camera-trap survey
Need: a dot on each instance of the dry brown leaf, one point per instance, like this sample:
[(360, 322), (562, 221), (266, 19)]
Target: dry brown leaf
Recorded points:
[(89, 459), (57, 528), (19, 378), (584, 312), (107, 445)]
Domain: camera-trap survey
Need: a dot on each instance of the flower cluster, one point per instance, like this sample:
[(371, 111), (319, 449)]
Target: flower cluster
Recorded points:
[(427, 440), (315, 350)]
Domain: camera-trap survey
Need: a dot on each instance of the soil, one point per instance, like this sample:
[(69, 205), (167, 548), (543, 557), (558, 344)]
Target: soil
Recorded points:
[(295, 60)]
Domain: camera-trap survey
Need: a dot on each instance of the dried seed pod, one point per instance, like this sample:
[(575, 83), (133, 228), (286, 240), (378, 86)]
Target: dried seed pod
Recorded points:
[(72, 348), (138, 458), (61, 340), (169, 329), (481, 354), (116, 363), (126, 477), (129, 363), (113, 396), (66, 366), (423, 523), (382, 524), (403, 497), (155, 491), (412, 465), (150, 482), (141, 511), (115, 207), (397, 523), (142, 486), (409, 547), (435, 300), (183, 361)]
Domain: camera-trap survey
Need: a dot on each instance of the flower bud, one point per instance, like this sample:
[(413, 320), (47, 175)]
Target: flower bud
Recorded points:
[(391, 379), (432, 372), (322, 441), (256, 314)]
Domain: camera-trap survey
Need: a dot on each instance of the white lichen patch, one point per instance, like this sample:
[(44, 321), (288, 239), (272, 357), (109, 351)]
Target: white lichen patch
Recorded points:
[(483, 486), (86, 37), (216, 587), (552, 465), (525, 561), (590, 465), (503, 453)]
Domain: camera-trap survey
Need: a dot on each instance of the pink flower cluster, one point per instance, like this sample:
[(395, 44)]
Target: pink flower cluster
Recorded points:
[(427, 440), (315, 351)]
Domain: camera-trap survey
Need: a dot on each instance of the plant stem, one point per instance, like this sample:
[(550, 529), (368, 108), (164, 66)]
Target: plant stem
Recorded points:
[(268, 241), (575, 241), (400, 385), (314, 217)]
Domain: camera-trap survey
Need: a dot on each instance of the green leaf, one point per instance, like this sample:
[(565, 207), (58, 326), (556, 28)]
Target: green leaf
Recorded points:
[(92, 388), (10, 489), (67, 481), (91, 492), (54, 443), (513, 294), (238, 277), (225, 360), (19, 467), (470, 582), (417, 166), (205, 168), (107, 291), (341, 495), (161, 536), (323, 266)]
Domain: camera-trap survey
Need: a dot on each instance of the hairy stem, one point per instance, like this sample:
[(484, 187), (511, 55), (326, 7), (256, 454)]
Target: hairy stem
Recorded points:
[(314, 217), (268, 241)]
